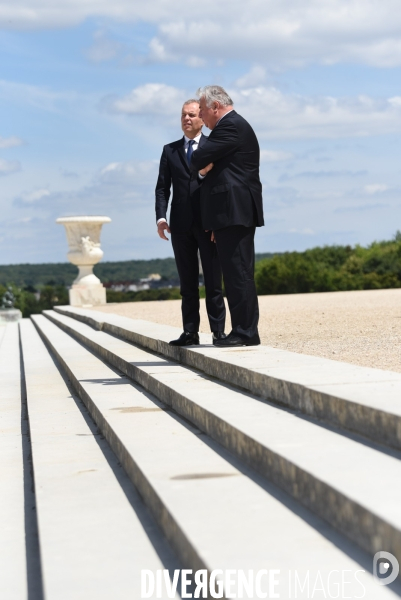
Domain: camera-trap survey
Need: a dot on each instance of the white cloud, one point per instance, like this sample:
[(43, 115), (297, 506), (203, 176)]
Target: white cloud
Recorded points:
[(69, 174), (149, 99), (275, 115), (395, 102), (321, 175), (116, 184), (278, 115), (256, 76), (283, 32), (360, 208), (103, 48), (34, 196), (375, 188), (33, 95), (195, 62), (132, 172), (291, 33), (305, 231), (10, 142), (274, 155), (123, 191), (9, 166), (158, 52)]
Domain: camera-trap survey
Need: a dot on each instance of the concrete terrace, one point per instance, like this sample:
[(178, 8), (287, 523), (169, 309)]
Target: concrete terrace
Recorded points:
[(120, 453), (362, 327)]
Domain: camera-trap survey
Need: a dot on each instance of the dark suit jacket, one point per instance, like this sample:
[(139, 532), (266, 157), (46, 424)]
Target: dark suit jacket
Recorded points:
[(174, 170), (231, 193)]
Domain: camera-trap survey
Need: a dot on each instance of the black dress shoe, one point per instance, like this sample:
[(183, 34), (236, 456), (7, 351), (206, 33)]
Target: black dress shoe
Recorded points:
[(188, 338), (218, 335), (232, 340)]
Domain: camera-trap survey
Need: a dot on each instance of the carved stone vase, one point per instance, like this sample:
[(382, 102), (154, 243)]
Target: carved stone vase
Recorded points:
[(83, 236)]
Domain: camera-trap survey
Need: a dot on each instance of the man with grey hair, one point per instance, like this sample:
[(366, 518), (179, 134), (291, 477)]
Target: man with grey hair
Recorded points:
[(231, 206), (187, 234)]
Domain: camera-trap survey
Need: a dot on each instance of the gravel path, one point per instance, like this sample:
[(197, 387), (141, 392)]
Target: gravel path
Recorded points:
[(362, 327)]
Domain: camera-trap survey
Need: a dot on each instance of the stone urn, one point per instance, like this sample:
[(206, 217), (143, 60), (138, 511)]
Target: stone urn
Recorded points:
[(83, 236)]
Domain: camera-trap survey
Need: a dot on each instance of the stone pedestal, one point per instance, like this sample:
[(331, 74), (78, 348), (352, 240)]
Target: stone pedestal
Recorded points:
[(83, 235), (9, 315), (87, 295)]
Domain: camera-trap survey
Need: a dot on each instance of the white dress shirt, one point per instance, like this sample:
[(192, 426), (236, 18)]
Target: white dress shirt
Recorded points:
[(194, 147)]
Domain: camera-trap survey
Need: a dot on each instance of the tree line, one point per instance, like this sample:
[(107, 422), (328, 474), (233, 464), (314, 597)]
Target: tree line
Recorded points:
[(25, 275), (332, 269), (320, 269)]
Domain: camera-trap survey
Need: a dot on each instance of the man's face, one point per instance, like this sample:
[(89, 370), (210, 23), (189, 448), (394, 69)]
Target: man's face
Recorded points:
[(191, 122), (209, 115)]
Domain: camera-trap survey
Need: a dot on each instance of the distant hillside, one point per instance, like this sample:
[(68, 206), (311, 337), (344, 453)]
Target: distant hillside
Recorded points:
[(64, 273)]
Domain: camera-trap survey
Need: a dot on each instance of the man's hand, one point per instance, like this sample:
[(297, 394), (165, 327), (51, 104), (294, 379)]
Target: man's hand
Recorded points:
[(161, 228), (212, 238), (206, 170)]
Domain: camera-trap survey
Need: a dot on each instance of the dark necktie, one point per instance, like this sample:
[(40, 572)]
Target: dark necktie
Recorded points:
[(190, 150)]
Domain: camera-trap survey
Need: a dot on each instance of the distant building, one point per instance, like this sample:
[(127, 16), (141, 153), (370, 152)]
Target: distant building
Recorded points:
[(153, 281), (126, 286), (152, 277)]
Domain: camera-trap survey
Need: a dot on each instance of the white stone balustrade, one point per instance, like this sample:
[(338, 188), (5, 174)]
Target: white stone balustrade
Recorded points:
[(83, 236)]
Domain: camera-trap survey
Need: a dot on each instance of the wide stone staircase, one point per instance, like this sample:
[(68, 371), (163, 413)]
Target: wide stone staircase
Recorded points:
[(120, 455)]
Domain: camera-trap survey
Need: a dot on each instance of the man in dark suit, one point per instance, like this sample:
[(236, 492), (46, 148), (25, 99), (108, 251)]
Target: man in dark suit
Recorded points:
[(187, 234), (231, 206)]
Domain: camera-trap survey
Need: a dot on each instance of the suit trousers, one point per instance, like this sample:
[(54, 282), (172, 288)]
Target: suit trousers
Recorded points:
[(185, 246), (235, 246)]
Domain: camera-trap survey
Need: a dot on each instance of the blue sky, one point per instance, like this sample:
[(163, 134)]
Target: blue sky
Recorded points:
[(90, 91)]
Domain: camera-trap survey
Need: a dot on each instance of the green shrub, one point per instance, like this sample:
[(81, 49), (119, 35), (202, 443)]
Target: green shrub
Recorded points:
[(29, 304), (332, 268)]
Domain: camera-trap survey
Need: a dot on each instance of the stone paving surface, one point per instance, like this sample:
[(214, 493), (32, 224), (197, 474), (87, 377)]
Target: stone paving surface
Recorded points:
[(361, 327)]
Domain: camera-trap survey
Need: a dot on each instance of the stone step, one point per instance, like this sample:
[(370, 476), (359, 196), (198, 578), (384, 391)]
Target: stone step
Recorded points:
[(214, 512), (358, 399), (319, 467), (2, 332), (13, 567), (93, 543)]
